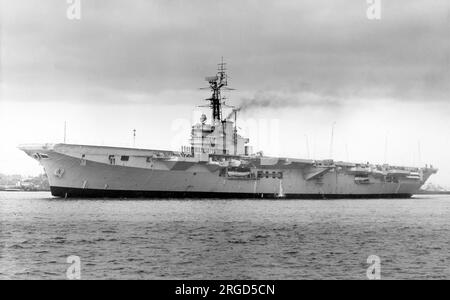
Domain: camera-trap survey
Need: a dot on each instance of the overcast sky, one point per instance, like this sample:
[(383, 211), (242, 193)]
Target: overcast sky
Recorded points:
[(298, 65)]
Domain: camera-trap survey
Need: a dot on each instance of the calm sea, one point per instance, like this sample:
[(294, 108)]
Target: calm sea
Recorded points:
[(223, 239)]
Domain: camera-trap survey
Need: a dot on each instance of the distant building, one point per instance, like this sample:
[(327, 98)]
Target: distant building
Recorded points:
[(21, 183)]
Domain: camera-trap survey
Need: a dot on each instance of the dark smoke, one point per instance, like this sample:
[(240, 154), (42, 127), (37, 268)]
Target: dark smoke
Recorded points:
[(281, 100)]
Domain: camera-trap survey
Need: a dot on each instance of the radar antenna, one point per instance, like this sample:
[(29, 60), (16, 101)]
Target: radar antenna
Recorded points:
[(216, 83)]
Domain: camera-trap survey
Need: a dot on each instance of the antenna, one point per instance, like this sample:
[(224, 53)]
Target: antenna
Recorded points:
[(418, 153), (331, 139), (216, 83), (134, 137), (222, 67), (385, 147), (313, 140), (235, 131), (65, 130), (307, 145)]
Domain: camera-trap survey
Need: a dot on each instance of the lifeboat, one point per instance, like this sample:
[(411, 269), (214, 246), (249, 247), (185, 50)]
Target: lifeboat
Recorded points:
[(414, 176), (397, 172), (362, 180), (359, 171), (238, 172)]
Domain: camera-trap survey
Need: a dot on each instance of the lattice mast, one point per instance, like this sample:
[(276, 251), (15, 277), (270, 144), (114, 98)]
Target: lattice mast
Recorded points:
[(216, 83)]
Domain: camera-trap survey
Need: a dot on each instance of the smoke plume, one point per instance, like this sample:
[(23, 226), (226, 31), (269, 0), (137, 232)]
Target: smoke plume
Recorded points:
[(282, 100)]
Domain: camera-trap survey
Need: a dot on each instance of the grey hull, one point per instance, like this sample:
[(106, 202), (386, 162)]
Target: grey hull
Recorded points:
[(98, 193), (87, 172)]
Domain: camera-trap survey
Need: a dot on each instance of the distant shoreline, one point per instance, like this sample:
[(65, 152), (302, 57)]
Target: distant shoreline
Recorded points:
[(19, 190), (433, 193)]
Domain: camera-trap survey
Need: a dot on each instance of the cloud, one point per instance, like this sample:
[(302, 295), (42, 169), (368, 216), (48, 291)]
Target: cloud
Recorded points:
[(319, 50)]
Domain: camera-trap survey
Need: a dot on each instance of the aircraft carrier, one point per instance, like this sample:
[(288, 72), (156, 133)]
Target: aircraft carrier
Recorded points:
[(218, 163)]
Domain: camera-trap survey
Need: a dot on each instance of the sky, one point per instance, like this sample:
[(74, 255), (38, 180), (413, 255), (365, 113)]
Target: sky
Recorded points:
[(301, 69)]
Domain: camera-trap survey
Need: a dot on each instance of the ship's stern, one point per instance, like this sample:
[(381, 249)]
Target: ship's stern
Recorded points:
[(427, 172)]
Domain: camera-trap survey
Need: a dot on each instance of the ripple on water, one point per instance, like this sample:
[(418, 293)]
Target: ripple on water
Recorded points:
[(223, 239)]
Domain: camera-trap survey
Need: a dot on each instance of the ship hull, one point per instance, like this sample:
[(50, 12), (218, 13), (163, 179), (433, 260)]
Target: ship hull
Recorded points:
[(65, 192), (94, 171)]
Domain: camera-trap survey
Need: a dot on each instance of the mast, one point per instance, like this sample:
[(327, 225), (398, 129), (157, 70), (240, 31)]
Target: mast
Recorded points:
[(235, 131), (216, 83), (331, 140), (65, 130)]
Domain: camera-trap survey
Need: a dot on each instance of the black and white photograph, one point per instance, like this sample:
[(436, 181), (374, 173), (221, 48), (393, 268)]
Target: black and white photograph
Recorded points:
[(224, 146)]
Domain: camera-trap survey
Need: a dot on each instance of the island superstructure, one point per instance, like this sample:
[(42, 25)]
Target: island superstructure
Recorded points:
[(218, 163)]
